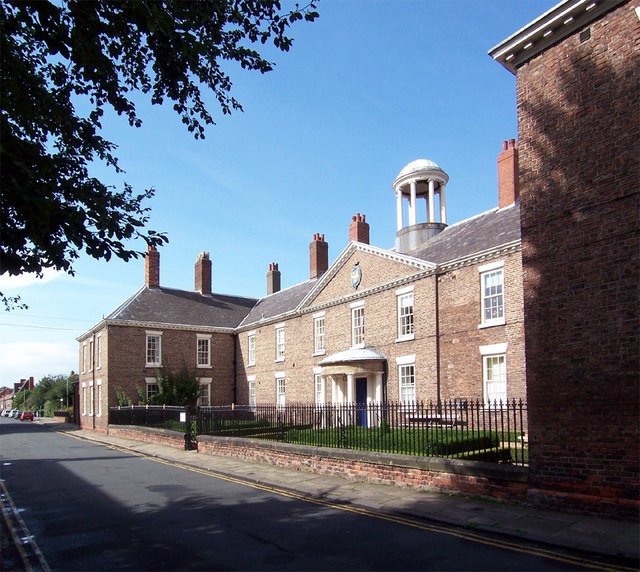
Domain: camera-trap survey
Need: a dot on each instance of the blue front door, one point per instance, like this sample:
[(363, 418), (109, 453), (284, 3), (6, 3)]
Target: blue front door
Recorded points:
[(361, 401)]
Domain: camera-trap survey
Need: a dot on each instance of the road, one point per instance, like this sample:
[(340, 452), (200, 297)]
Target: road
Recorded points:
[(89, 507)]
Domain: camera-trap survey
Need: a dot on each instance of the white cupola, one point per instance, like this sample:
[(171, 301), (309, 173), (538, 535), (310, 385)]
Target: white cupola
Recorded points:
[(420, 179)]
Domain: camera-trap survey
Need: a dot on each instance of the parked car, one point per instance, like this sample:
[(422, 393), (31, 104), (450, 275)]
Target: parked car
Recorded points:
[(26, 416), (5, 413), (14, 413)]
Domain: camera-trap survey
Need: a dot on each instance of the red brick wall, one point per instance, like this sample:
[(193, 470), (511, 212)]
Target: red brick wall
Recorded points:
[(444, 475), (579, 130)]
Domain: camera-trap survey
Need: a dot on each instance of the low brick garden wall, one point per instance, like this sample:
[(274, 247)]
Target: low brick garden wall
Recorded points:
[(473, 478)]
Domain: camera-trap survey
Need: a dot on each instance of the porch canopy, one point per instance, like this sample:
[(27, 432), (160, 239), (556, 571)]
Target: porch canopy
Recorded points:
[(344, 368)]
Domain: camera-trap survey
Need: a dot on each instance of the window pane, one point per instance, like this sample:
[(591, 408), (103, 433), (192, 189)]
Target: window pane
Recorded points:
[(357, 324)]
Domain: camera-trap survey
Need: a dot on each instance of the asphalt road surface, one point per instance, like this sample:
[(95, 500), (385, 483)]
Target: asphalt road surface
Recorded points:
[(90, 507)]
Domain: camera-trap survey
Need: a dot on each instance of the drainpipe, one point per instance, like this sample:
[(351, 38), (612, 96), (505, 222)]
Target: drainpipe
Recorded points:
[(235, 367), (437, 304)]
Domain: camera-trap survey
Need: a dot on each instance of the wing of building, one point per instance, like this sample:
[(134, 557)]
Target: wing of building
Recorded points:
[(437, 317)]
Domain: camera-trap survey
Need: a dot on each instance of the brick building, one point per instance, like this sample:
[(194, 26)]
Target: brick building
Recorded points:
[(577, 69), (440, 316)]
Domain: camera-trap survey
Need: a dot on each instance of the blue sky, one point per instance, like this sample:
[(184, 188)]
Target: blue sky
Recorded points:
[(366, 89)]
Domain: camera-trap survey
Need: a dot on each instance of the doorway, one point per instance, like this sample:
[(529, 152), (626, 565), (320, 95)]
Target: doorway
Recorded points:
[(361, 401)]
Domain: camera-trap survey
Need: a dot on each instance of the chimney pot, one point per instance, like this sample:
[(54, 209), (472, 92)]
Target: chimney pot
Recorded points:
[(508, 184), (318, 256), (152, 267), (203, 273), (273, 279), (359, 229)]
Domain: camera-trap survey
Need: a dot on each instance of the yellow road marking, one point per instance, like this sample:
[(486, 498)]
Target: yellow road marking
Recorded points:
[(405, 521)]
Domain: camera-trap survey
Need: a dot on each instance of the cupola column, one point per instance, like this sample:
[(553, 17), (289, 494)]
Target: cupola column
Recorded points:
[(399, 209), (413, 209), (443, 204), (431, 208)]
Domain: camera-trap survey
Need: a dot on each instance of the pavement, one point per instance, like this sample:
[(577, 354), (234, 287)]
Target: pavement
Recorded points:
[(599, 536)]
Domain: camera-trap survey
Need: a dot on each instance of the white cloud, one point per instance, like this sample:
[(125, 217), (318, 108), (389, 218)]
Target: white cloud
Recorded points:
[(26, 280), (19, 360)]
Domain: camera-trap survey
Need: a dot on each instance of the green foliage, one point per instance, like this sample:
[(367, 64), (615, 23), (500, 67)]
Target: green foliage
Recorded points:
[(52, 389), (57, 58), (177, 388), (122, 399)]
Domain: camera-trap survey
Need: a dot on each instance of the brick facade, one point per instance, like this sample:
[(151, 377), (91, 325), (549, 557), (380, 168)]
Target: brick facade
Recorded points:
[(579, 133)]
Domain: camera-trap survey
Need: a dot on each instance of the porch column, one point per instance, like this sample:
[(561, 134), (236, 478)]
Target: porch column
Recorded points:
[(350, 392), (377, 390)]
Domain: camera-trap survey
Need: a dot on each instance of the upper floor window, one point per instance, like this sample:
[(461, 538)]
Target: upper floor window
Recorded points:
[(203, 350), (405, 313), (492, 293), (251, 349), (98, 351), (154, 349), (279, 343), (91, 354), (357, 325), (83, 358), (318, 334)]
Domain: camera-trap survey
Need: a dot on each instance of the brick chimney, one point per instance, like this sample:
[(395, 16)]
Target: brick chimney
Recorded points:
[(508, 187), (273, 279), (152, 267), (318, 256), (359, 229), (203, 273)]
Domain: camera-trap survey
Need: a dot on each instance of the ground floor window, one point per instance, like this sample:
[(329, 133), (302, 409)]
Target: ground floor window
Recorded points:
[(152, 388), (252, 392), (495, 378), (319, 388), (407, 376), (204, 400), (280, 391)]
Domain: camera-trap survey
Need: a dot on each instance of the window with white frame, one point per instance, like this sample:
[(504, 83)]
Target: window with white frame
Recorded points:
[(83, 357), (405, 314), (152, 387), (319, 385), (318, 334), (204, 399), (357, 325), (84, 399), (154, 349), (251, 349), (91, 399), (203, 350), (252, 391), (98, 351), (407, 379), (279, 343), (492, 293), (91, 355), (99, 397), (280, 390), (494, 373)]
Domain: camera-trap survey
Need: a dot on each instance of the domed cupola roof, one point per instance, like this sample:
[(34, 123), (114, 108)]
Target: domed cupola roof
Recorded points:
[(421, 168)]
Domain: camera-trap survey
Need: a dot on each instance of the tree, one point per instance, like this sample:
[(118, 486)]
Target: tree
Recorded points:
[(58, 57), (52, 391), (177, 388)]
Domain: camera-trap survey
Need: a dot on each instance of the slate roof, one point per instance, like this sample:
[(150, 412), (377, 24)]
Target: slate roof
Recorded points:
[(477, 234), (279, 303), (182, 307)]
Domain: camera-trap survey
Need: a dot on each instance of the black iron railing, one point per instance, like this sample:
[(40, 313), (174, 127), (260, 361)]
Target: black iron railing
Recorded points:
[(474, 430), (463, 429)]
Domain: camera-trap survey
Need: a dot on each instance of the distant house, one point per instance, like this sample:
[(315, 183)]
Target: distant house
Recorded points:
[(437, 317)]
